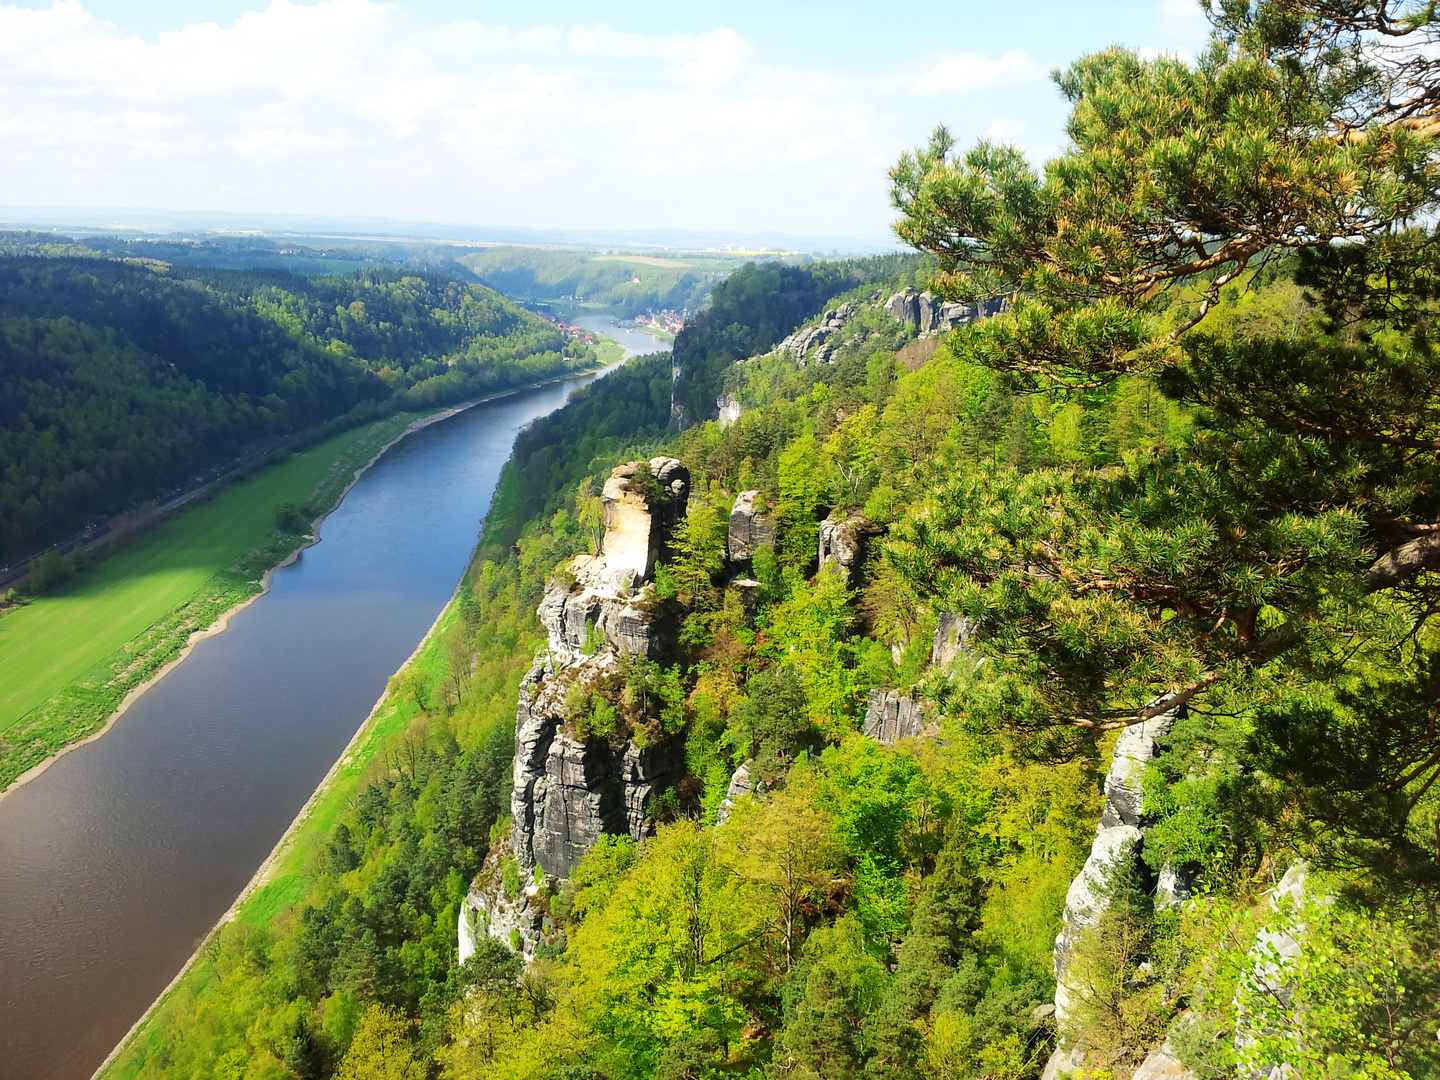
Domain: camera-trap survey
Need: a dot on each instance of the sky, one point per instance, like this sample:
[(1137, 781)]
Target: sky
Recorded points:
[(750, 116)]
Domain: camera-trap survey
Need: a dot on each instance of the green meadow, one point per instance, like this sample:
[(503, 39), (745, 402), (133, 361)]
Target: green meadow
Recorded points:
[(68, 658)]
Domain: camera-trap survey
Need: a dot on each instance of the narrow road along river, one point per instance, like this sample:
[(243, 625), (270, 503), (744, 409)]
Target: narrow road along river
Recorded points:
[(120, 857)]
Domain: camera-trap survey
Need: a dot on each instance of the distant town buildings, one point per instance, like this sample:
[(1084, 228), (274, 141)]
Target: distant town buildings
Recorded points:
[(671, 322)]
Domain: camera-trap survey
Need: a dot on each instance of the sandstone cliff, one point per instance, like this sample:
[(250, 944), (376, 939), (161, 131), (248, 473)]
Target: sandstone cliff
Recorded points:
[(571, 788)]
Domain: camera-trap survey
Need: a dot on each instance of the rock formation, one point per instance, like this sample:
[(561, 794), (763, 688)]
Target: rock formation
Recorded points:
[(928, 315), (488, 911), (891, 716), (742, 783), (1119, 837), (568, 791), (844, 541), (819, 337), (749, 528), (952, 638), (729, 408)]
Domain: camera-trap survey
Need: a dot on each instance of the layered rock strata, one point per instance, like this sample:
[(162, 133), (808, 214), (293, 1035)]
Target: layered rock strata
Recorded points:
[(569, 791)]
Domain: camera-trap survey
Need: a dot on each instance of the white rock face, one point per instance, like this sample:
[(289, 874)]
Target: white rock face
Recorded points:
[(633, 526), (487, 912), (730, 409), (1084, 904), (1272, 958), (743, 784), (1118, 837)]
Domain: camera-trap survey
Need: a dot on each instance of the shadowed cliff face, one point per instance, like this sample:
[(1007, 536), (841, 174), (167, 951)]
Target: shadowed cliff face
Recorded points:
[(571, 789)]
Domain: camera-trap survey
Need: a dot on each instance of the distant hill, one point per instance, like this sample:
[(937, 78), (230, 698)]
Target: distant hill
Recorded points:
[(121, 379)]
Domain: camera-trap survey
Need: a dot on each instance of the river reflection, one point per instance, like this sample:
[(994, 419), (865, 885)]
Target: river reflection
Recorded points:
[(119, 858)]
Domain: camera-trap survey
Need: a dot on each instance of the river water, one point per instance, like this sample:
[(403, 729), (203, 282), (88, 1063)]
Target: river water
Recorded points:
[(121, 856), (635, 342)]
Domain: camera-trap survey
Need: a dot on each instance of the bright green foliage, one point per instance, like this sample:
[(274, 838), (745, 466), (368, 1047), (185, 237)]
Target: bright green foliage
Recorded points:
[(380, 1050), (1165, 475)]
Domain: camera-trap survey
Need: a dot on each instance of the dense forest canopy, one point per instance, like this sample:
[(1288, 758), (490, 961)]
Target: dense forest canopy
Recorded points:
[(1187, 475), (753, 309), (122, 379)]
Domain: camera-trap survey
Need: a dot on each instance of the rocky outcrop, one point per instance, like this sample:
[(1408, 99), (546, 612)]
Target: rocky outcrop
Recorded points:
[(844, 542), (1118, 838), (488, 911), (820, 337), (744, 782), (952, 639), (1162, 1064), (891, 716), (928, 315), (749, 528), (729, 408), (1269, 975), (638, 523), (568, 791)]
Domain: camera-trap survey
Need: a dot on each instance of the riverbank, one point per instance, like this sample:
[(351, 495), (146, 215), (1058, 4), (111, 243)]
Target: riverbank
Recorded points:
[(280, 880), (73, 662)]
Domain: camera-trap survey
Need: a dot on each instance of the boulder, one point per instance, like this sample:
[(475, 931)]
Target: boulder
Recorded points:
[(749, 528), (951, 316), (1162, 1064)]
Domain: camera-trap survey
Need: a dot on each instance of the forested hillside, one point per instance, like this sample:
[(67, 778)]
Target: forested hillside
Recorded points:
[(1075, 712), (629, 285), (122, 379)]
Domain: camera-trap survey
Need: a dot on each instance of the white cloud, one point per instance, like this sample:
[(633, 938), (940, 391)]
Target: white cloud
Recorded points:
[(354, 107), (1182, 20), (968, 71)]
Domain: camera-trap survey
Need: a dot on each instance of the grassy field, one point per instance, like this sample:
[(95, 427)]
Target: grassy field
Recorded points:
[(68, 658)]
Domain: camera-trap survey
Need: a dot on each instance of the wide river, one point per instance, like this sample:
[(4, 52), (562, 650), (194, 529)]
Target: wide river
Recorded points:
[(121, 856)]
